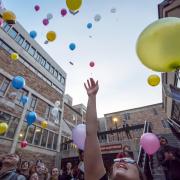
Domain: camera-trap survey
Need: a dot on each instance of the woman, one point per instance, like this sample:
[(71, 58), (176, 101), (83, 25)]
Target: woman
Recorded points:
[(34, 176), (54, 174), (123, 168), (24, 170)]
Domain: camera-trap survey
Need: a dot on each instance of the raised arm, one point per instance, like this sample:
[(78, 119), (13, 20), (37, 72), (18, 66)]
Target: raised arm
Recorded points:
[(94, 167)]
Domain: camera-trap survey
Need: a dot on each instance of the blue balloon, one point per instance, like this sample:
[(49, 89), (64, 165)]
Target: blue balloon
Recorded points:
[(24, 100), (72, 46), (89, 25), (18, 82), (33, 34), (31, 117)]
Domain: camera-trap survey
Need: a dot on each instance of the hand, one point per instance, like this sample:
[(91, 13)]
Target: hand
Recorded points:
[(92, 88), (171, 156)]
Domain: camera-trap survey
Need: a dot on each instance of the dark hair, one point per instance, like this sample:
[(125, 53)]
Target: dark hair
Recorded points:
[(39, 160), (54, 168), (23, 162), (161, 137)]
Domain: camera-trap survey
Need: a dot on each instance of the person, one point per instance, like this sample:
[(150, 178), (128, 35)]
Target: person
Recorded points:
[(9, 166), (122, 168), (169, 158), (80, 172), (127, 130), (33, 176), (68, 173), (41, 170), (24, 169), (54, 174)]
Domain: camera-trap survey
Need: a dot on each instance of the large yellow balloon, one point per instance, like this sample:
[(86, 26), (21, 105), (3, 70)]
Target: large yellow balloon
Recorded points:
[(9, 17), (51, 36), (14, 56), (44, 124), (3, 128), (153, 80), (158, 46), (73, 5)]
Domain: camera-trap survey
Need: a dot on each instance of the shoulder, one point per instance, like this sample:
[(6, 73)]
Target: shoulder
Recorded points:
[(105, 177), (21, 177)]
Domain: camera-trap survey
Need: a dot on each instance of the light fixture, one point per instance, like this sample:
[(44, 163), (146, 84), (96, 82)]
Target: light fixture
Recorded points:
[(20, 135), (115, 119)]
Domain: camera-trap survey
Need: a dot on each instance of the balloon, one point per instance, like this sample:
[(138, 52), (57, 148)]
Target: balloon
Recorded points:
[(79, 135), (73, 5), (31, 117), (153, 80), (1, 22), (9, 17), (49, 16), (51, 36), (57, 103), (113, 10), (14, 56), (91, 64), (45, 22), (33, 34), (158, 45), (24, 99), (44, 124), (150, 143), (63, 12), (18, 82), (37, 7), (72, 46), (3, 128), (54, 112), (97, 17), (24, 144), (89, 25)]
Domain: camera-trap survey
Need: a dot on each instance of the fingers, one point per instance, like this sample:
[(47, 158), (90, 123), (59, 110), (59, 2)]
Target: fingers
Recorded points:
[(92, 82), (88, 84), (85, 86)]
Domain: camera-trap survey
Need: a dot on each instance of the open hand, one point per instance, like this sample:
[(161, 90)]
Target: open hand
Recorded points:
[(91, 87)]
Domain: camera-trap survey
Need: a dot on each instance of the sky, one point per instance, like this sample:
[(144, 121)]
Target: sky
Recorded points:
[(112, 46)]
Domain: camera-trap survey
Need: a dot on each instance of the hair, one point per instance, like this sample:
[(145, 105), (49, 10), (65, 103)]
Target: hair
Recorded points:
[(162, 137), (39, 160), (23, 162), (54, 168)]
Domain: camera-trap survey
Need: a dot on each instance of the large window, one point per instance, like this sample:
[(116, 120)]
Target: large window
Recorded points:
[(32, 103), (31, 51), (47, 66), (48, 111), (12, 128), (63, 80), (6, 27), (19, 39), (37, 137), (13, 33), (44, 138), (4, 117), (55, 73), (23, 131), (51, 70), (30, 134), (26, 45), (4, 86), (50, 140), (55, 141), (43, 61)]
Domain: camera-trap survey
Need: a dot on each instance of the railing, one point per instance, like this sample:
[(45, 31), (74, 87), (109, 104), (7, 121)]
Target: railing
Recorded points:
[(175, 127), (144, 160)]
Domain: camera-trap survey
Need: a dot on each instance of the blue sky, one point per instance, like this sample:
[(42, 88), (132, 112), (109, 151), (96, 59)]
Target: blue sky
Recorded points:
[(122, 77)]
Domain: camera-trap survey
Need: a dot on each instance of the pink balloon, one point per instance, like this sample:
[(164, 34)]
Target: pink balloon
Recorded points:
[(37, 7), (24, 144), (63, 12), (45, 22), (150, 143), (91, 64), (1, 22), (79, 135)]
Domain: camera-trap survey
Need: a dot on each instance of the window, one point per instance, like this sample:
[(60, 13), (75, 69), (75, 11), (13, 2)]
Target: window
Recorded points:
[(35, 55), (13, 33), (19, 39), (32, 103), (63, 80), (59, 77), (37, 137), (126, 116), (51, 70), (4, 117), (6, 27), (30, 134), (26, 45), (155, 111), (44, 138), (12, 128), (55, 73), (47, 66), (50, 140), (21, 93), (23, 131), (31, 51), (55, 141), (4, 87), (165, 123), (6, 48), (47, 113), (43, 61)]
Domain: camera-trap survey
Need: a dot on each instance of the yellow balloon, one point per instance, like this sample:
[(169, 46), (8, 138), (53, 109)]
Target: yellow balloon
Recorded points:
[(44, 124), (14, 56), (3, 128), (9, 17), (73, 5), (51, 36), (158, 46), (153, 80)]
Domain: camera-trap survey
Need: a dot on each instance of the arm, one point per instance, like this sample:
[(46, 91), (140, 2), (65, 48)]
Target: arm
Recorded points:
[(94, 167)]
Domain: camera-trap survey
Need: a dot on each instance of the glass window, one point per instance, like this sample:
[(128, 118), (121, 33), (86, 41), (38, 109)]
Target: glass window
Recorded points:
[(4, 117), (6, 27), (44, 138), (51, 70), (47, 113), (50, 140), (19, 39), (35, 55), (26, 45), (12, 128), (63, 80), (23, 132), (55, 141), (37, 138), (6, 48), (43, 61), (55, 73), (21, 93), (30, 134), (32, 103), (4, 86), (31, 51), (47, 66), (59, 77), (13, 33)]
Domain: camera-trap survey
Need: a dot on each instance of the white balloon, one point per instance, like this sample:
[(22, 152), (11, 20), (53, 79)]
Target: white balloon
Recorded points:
[(49, 16), (54, 112), (57, 103), (97, 17)]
